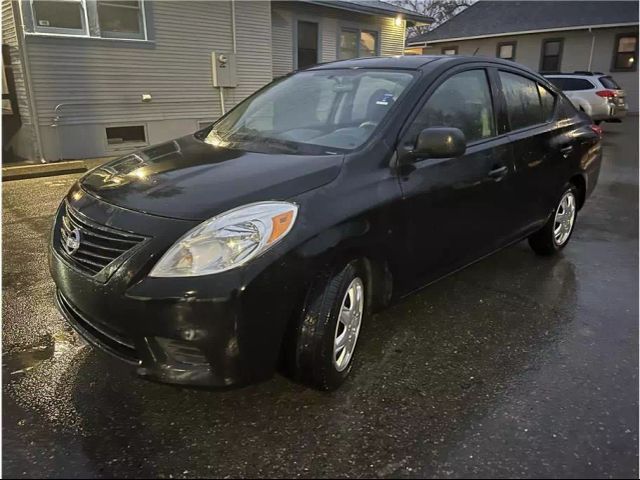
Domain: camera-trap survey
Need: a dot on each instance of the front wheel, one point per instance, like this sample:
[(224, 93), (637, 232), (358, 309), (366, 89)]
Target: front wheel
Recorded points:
[(329, 328), (556, 233)]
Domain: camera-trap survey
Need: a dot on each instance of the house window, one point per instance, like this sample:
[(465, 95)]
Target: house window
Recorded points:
[(56, 16), (357, 43), (123, 19), (120, 19), (551, 55), (626, 54), (450, 51), (506, 50), (126, 135), (307, 44)]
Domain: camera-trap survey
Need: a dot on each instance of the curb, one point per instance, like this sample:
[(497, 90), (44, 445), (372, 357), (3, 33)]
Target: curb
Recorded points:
[(21, 172)]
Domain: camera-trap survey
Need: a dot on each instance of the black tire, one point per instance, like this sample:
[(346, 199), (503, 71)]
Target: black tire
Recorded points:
[(313, 348), (543, 242)]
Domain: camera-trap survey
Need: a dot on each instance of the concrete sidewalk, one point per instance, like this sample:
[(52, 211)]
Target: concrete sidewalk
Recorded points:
[(22, 171)]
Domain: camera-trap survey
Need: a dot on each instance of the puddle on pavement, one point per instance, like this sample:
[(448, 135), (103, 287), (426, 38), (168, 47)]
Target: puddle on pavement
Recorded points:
[(21, 359)]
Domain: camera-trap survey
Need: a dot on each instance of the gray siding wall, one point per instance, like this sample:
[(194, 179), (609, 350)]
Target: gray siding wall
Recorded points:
[(23, 143), (575, 55), (284, 18), (100, 82)]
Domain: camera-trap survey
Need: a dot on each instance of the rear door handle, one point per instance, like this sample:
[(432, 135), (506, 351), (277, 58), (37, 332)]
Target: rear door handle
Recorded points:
[(498, 172), (566, 151)]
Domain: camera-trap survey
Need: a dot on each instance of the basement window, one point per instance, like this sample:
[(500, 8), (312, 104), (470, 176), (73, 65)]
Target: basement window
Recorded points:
[(130, 135)]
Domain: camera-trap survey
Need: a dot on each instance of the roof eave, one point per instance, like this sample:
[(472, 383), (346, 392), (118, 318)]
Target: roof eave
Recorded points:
[(372, 10), (423, 43)]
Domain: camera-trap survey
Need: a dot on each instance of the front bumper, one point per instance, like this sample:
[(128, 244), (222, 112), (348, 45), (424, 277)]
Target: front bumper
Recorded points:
[(217, 330)]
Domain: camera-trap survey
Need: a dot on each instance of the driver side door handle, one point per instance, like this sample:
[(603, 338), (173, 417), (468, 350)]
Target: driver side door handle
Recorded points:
[(498, 172)]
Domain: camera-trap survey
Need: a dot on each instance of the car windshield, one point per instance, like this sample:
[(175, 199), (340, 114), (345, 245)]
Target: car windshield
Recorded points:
[(312, 112), (609, 82)]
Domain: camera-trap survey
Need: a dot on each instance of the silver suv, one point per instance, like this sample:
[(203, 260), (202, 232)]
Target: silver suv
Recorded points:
[(595, 93)]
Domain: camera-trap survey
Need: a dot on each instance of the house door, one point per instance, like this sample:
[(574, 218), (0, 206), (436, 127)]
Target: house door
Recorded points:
[(307, 49)]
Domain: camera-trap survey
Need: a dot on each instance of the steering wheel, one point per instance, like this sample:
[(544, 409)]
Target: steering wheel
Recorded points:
[(368, 124)]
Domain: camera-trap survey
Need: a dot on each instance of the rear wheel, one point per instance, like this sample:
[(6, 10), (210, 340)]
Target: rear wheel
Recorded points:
[(556, 233), (329, 328)]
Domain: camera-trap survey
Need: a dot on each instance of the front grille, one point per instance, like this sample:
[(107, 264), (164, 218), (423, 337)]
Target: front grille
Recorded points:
[(97, 333), (98, 245)]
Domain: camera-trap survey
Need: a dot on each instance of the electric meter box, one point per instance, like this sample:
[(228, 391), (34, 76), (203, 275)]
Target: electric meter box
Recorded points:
[(223, 65)]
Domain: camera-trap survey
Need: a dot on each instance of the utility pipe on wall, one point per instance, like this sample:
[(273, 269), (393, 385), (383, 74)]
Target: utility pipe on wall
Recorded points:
[(234, 48), (593, 44)]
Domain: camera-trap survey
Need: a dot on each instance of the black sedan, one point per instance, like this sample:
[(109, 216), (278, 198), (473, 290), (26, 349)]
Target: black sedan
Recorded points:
[(266, 239)]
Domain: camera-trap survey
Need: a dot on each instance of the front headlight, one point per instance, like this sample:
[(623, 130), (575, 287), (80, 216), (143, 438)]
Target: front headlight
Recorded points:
[(228, 240)]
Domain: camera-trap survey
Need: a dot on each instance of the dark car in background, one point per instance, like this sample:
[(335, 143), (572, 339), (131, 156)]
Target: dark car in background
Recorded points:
[(266, 239)]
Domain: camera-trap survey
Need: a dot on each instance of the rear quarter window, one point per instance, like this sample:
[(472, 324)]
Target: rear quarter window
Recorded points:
[(608, 82)]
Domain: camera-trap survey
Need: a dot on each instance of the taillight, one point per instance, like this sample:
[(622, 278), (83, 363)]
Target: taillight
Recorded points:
[(606, 93), (597, 130)]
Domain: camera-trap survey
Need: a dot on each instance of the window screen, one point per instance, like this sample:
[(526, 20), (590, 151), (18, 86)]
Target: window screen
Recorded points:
[(56, 14), (523, 100)]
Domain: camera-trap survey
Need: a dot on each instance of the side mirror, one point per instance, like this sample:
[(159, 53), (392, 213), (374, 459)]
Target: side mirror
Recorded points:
[(440, 142)]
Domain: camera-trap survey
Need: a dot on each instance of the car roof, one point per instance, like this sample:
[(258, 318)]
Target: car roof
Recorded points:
[(413, 62)]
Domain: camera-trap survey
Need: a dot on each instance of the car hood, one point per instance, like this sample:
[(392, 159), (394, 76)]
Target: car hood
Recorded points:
[(192, 180)]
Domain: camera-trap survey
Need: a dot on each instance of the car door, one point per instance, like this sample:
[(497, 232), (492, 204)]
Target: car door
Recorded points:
[(539, 152), (454, 207)]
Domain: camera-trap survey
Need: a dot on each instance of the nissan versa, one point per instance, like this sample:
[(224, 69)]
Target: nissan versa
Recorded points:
[(266, 239)]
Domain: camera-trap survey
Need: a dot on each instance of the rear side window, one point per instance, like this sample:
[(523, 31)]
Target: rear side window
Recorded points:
[(608, 82), (548, 101), (523, 100), (462, 101), (571, 84)]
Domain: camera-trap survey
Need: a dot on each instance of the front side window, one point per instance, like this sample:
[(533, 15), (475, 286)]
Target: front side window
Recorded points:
[(462, 101), (507, 51), (315, 112), (355, 43), (551, 55), (123, 19), (523, 100), (626, 54)]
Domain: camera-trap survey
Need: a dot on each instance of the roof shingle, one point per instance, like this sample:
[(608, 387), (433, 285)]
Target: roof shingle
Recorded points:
[(488, 18)]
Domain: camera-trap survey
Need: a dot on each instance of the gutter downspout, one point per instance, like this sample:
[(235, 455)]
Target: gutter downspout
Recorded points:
[(593, 44), (24, 57), (234, 47)]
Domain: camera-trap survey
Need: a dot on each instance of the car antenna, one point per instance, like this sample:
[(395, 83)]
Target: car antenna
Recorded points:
[(474, 53)]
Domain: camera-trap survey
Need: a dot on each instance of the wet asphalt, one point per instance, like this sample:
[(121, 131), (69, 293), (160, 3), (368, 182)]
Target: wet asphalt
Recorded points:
[(518, 366)]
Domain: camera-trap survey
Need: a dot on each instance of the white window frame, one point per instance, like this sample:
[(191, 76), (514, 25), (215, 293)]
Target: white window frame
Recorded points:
[(83, 32), (90, 23)]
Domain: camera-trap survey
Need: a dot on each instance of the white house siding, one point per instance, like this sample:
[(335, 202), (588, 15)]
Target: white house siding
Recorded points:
[(285, 15), (100, 82), (23, 142), (575, 54)]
